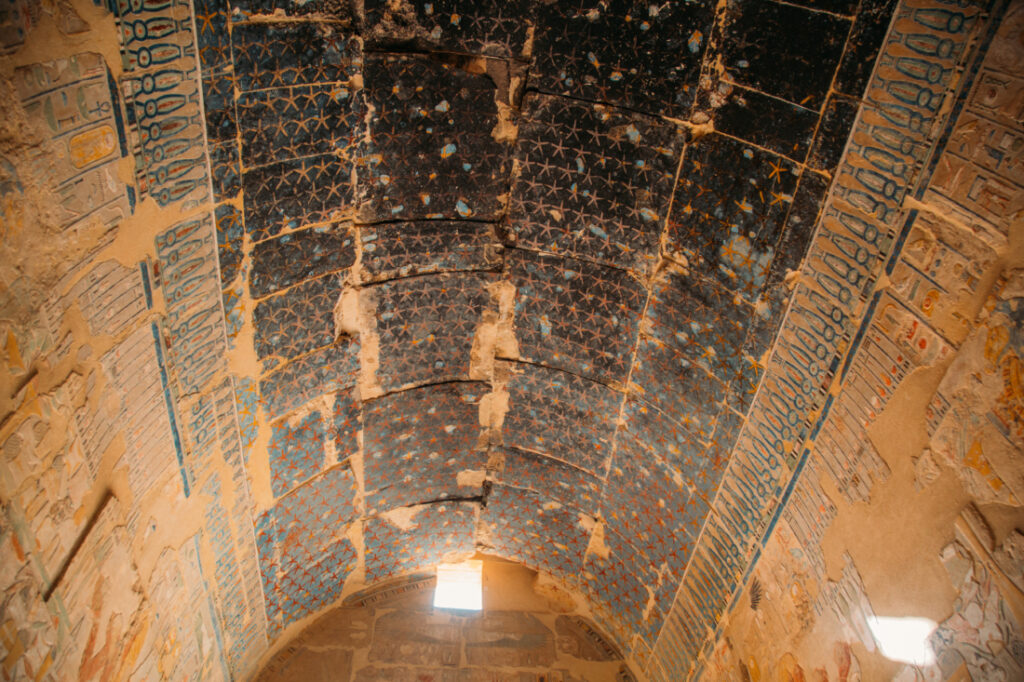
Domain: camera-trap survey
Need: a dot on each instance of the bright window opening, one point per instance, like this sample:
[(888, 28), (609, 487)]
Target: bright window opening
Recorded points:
[(459, 586), (904, 639)]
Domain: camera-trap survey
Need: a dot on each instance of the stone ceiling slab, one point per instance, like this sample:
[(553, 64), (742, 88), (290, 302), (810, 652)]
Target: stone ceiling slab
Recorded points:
[(618, 589), (433, 534), (730, 211), (294, 193), (563, 483), (393, 250), (324, 370), (418, 444), (766, 48), (626, 53), (302, 255), (304, 445), (593, 182), (431, 150), (427, 326), (496, 28), (561, 415), (563, 306), (304, 552), (298, 320), (534, 528)]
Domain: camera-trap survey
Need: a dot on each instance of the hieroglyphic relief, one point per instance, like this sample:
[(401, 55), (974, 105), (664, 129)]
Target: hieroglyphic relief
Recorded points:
[(213, 427), (152, 443), (111, 406), (125, 394), (162, 100), (204, 400), (862, 224), (179, 646), (118, 401), (984, 632), (976, 418), (808, 514), (19, 17), (896, 344), (45, 483), (791, 605), (193, 328), (99, 618), (75, 103), (940, 270), (28, 633)]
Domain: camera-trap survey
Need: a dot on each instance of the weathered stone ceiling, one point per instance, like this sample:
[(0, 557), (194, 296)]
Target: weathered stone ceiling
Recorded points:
[(513, 267), (446, 277)]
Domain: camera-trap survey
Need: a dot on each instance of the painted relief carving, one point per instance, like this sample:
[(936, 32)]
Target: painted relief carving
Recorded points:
[(75, 103), (975, 418)]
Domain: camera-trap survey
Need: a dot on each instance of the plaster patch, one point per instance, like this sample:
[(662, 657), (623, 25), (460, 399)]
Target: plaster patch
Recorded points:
[(595, 527), (403, 518), (471, 478)]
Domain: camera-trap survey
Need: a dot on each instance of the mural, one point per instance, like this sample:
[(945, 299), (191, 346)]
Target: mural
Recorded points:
[(299, 297), (927, 315)]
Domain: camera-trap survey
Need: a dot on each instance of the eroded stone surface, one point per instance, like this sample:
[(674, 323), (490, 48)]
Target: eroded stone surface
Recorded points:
[(430, 639), (508, 638)]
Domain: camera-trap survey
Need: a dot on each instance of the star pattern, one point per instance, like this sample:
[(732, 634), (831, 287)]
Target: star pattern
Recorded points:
[(497, 28), (212, 33), (437, 533), (561, 415), (298, 320), (303, 549), (535, 529), (303, 120), (269, 55), (219, 102), (293, 193), (729, 212), (563, 304), (392, 250), (618, 594), (305, 254), (621, 52), (229, 241), (562, 483), (296, 452), (300, 450), (704, 324), (631, 380), (430, 152), (594, 182), (416, 442), (426, 326), (322, 371), (647, 500)]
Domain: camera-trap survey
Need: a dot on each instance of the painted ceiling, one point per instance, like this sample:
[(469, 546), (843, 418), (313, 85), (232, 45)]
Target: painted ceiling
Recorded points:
[(529, 278), (492, 262)]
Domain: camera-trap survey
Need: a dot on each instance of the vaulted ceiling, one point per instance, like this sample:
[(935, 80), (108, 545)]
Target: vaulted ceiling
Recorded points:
[(514, 267), (504, 276)]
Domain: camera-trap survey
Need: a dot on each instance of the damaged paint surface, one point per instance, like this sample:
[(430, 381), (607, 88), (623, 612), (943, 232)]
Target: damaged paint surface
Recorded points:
[(301, 298)]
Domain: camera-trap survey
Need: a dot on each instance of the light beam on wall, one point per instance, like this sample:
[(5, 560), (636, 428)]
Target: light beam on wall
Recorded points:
[(459, 586), (904, 639)]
